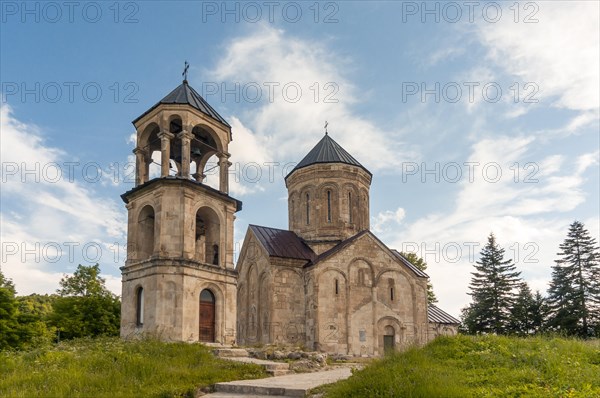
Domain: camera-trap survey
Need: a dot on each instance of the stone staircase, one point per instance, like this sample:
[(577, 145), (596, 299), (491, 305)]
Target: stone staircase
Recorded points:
[(241, 355), (285, 382), (293, 385)]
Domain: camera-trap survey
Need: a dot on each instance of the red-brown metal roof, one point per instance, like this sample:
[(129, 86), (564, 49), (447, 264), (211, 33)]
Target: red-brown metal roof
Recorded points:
[(283, 243)]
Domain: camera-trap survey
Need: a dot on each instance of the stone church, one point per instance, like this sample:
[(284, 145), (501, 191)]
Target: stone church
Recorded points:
[(328, 283)]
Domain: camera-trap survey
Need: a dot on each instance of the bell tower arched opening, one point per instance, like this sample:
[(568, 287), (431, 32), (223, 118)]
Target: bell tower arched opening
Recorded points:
[(145, 238), (208, 233)]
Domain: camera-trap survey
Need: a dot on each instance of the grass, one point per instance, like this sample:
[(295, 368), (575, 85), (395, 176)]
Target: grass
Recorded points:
[(114, 368), (485, 366)]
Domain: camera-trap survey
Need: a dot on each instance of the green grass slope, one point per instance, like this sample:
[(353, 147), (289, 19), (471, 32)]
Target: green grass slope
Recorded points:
[(115, 368), (486, 366)]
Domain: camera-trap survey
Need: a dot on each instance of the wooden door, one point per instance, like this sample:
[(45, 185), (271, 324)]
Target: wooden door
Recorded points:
[(388, 338), (388, 343), (207, 317)]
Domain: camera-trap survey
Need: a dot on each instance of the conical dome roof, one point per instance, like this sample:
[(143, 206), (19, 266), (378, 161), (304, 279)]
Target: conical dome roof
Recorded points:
[(327, 151), (186, 95)]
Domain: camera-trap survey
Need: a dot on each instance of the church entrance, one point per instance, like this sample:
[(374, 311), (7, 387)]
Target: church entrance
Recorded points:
[(388, 339), (207, 316)]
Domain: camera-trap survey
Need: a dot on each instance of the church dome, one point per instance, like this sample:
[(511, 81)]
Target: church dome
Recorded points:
[(327, 151), (328, 196)]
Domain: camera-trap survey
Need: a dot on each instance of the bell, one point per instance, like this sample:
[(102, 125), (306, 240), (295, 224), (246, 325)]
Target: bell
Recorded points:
[(195, 152)]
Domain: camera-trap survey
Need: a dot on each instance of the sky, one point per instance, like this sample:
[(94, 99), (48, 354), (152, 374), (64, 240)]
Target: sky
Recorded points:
[(474, 117)]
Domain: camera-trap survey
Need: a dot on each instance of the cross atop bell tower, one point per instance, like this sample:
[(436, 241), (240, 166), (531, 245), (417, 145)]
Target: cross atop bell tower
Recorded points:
[(180, 230)]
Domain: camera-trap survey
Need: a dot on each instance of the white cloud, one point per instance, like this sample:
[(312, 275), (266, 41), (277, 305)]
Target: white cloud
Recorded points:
[(50, 220), (386, 220), (447, 52), (559, 53), (283, 130)]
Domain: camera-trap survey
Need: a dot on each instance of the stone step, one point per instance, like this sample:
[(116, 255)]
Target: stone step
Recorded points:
[(273, 368), (233, 395), (217, 345), (245, 390), (230, 352), (294, 385), (276, 366), (276, 372)]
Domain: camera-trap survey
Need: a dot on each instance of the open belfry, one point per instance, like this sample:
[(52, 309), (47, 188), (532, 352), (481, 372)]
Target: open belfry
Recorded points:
[(179, 280), (328, 283)]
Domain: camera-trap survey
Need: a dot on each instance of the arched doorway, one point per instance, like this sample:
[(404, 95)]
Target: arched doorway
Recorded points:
[(207, 316), (388, 338)]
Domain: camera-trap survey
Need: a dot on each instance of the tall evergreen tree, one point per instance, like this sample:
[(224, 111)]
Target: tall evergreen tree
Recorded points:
[(522, 312), (493, 291), (540, 312), (574, 293)]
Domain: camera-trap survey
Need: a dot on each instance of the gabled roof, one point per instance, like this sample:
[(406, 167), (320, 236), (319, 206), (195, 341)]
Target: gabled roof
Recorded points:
[(436, 315), (409, 264), (282, 243), (185, 94), (340, 246), (327, 151)]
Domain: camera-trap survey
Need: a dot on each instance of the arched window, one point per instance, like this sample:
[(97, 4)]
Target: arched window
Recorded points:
[(337, 287), (391, 285), (307, 209), (328, 206), (139, 306), (350, 207)]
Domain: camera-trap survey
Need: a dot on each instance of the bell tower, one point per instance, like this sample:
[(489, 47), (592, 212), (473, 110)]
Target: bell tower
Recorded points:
[(179, 281)]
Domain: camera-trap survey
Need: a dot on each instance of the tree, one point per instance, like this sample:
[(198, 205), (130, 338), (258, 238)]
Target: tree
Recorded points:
[(522, 313), (85, 306), (574, 293), (9, 326), (86, 281), (422, 265), (493, 291), (34, 313), (18, 328), (540, 312)]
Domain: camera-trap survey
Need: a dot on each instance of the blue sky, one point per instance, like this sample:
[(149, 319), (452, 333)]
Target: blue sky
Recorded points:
[(472, 118)]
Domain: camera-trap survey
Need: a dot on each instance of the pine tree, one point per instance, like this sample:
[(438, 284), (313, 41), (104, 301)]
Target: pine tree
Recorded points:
[(493, 291), (539, 312), (522, 312), (574, 293)]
